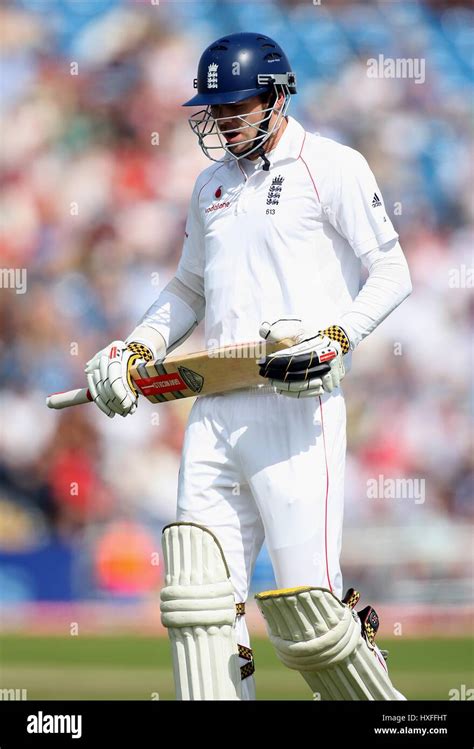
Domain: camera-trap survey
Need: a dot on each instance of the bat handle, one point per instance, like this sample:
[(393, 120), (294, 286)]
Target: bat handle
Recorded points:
[(274, 346), (286, 342), (68, 398)]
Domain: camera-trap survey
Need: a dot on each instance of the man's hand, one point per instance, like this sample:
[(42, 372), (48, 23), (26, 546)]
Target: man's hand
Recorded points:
[(108, 377), (310, 367)]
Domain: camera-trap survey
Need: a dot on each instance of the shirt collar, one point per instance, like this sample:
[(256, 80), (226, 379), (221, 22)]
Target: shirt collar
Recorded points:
[(290, 144), (288, 147)]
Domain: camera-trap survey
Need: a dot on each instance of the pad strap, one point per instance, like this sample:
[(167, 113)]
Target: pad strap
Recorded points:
[(248, 668), (369, 619)]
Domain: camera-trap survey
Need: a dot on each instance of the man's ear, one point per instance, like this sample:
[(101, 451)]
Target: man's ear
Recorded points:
[(280, 101)]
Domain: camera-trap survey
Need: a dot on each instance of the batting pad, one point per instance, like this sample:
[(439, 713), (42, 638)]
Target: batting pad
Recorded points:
[(319, 636), (198, 608)]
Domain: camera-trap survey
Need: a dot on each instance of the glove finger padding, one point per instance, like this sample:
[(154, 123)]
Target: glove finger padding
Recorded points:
[(93, 363), (305, 361), (122, 394), (103, 387), (94, 381), (116, 386), (302, 367), (333, 379), (308, 389)]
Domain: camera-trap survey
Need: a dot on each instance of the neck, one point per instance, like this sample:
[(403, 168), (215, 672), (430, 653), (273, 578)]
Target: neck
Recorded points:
[(270, 144)]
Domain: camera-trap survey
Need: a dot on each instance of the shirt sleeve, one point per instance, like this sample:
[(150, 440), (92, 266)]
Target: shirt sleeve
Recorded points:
[(388, 284), (193, 255), (357, 209)]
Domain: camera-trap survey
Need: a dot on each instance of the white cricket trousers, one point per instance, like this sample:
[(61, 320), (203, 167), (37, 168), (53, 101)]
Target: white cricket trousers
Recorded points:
[(258, 465)]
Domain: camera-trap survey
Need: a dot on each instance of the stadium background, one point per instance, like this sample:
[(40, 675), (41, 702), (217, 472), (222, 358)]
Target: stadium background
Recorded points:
[(97, 167)]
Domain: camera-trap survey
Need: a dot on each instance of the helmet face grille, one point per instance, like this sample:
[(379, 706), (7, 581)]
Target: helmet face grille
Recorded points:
[(207, 128)]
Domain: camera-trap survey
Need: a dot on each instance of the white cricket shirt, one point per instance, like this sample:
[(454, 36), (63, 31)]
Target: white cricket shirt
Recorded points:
[(283, 243)]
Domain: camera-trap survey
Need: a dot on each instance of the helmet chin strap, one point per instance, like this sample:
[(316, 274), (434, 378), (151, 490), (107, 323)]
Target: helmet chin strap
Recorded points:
[(266, 163)]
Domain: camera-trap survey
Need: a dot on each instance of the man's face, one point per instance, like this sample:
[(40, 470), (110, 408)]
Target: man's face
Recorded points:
[(251, 109)]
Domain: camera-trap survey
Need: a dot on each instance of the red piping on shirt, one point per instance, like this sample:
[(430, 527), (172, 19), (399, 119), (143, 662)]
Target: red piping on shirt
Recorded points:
[(206, 183), (304, 162)]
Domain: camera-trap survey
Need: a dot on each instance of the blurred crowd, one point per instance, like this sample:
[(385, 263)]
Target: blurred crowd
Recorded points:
[(97, 168)]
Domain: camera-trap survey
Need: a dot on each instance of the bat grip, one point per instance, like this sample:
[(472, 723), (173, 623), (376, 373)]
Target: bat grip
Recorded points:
[(68, 398)]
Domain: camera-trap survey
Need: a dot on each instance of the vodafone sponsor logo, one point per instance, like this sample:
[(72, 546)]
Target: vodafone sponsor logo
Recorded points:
[(217, 206)]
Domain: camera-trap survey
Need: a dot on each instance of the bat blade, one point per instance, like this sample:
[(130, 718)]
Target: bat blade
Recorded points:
[(203, 373), (186, 375)]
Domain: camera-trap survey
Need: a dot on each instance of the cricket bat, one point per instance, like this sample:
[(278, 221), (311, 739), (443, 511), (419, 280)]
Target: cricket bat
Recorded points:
[(186, 375)]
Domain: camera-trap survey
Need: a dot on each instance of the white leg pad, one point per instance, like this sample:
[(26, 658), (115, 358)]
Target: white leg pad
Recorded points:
[(318, 635), (198, 608)]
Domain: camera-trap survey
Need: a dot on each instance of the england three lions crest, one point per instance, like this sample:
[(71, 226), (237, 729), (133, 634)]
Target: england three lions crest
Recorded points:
[(212, 81), (274, 191)]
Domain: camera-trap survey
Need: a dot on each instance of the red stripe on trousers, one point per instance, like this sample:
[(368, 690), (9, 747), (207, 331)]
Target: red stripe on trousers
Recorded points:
[(326, 499)]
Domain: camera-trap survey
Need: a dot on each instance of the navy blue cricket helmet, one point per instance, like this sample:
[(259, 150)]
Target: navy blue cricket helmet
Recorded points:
[(239, 66), (232, 69)]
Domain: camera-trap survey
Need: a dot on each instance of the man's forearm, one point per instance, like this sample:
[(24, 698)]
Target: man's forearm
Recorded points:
[(386, 287), (172, 317)]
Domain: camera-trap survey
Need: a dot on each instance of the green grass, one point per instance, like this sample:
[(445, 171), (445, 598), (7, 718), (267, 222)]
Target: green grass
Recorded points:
[(140, 668)]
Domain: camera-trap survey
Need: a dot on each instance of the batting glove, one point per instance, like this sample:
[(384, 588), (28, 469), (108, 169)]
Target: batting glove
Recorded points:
[(109, 380), (312, 366)]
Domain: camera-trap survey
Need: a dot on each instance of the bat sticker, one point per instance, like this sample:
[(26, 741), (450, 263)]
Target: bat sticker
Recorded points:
[(193, 380)]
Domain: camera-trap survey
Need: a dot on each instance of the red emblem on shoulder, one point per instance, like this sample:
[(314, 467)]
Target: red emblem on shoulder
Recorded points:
[(218, 192)]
